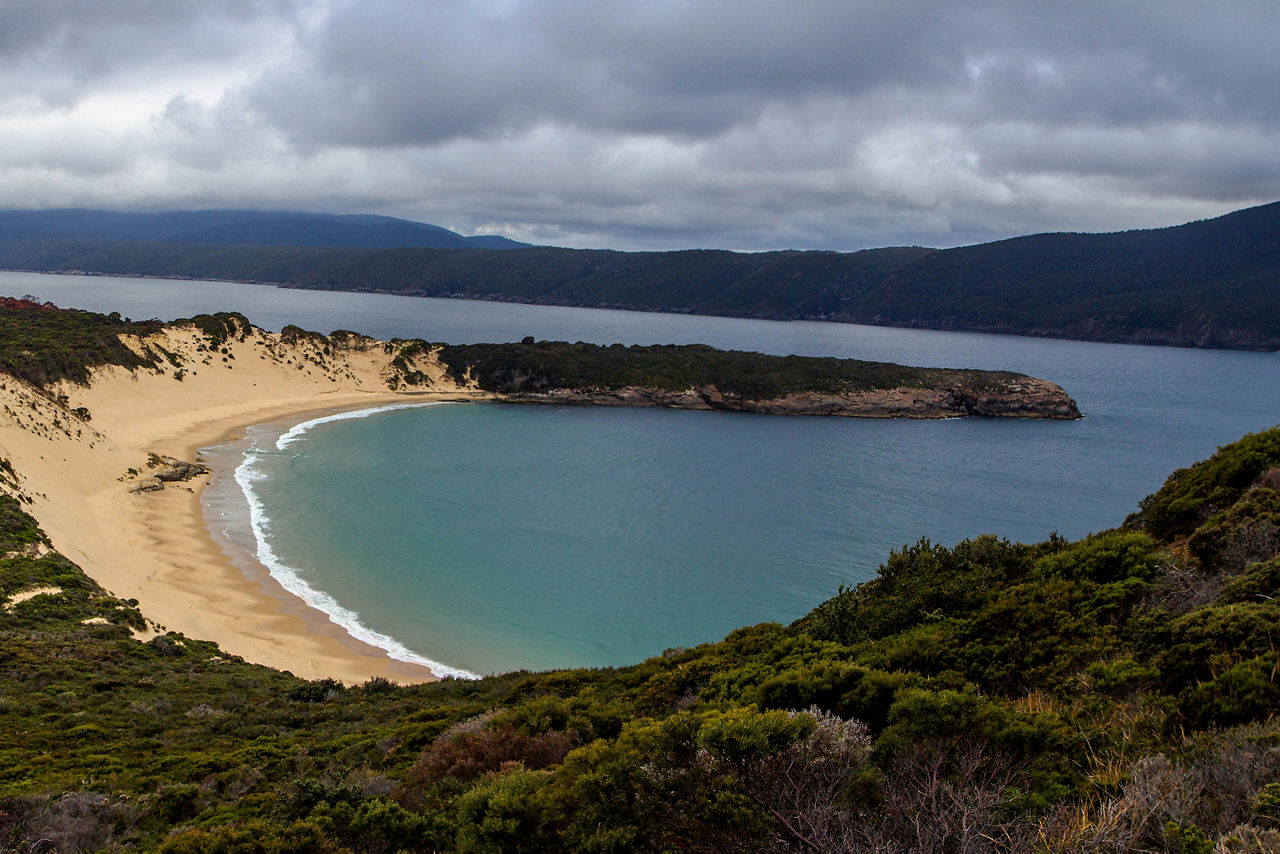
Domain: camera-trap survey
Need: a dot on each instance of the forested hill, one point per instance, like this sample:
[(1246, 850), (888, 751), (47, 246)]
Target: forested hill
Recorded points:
[(42, 344), (240, 227), (1213, 283)]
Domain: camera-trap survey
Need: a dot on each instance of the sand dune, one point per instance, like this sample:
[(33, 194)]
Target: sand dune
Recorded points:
[(154, 546)]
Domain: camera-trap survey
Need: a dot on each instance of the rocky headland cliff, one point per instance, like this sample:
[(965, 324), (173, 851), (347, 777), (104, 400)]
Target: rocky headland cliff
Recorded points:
[(700, 377), (1026, 397)]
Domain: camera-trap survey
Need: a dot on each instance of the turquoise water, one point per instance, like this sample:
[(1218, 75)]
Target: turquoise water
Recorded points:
[(491, 538), (488, 538)]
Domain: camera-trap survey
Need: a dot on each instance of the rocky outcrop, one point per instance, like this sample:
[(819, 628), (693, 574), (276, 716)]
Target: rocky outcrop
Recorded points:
[(170, 469), (1020, 397), (165, 469)]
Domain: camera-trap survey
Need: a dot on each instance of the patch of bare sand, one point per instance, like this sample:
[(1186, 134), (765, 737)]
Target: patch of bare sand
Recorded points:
[(27, 595)]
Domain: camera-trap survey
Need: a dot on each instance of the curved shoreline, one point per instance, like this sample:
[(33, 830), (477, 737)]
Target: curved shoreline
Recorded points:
[(245, 474), (74, 473), (201, 591)]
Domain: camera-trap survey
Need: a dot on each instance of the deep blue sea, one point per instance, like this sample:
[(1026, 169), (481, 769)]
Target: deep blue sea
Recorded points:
[(488, 538)]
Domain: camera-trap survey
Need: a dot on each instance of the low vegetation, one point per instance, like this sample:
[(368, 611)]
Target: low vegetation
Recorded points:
[(533, 366), (41, 343), (1112, 693)]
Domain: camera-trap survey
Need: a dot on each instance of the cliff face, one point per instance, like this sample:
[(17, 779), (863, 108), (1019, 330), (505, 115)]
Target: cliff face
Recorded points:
[(1023, 397)]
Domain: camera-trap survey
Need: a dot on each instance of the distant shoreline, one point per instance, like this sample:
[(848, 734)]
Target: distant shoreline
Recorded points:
[(1191, 337)]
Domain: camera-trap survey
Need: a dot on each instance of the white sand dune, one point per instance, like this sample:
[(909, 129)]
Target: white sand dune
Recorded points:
[(154, 546)]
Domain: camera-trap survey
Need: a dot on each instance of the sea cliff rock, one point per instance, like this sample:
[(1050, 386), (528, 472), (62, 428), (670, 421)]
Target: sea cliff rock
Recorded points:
[(1025, 397)]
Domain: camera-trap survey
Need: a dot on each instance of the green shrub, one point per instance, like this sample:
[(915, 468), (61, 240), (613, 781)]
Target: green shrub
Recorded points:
[(1192, 495)]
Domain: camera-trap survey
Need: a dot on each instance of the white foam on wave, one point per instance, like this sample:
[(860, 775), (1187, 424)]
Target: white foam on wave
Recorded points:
[(296, 432), (247, 473)]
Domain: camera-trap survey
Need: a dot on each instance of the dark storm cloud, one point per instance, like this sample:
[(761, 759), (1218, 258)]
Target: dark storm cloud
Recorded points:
[(413, 73), (744, 124), (405, 73), (84, 28), (60, 51)]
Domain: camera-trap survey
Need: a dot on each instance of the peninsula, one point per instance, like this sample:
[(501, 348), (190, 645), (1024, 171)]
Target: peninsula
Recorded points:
[(699, 377)]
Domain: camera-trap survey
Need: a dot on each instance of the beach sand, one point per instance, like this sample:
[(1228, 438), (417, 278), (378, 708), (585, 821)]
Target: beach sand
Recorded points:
[(155, 547)]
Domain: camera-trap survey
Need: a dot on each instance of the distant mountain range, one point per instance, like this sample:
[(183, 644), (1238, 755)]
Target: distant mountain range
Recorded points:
[(243, 228), (1212, 283)]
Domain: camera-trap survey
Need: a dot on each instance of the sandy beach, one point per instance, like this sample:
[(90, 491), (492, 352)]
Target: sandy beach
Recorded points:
[(155, 546)]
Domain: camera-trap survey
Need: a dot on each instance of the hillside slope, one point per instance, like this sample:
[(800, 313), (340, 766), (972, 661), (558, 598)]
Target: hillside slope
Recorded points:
[(90, 407), (1214, 283), (240, 228)]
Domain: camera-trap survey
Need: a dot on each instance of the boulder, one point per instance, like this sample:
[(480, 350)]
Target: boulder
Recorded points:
[(150, 484), (170, 469)]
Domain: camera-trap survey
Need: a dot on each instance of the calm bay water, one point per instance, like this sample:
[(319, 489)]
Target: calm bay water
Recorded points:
[(489, 537)]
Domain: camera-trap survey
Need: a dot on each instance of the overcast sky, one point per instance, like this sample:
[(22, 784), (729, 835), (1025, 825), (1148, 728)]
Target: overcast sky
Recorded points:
[(741, 124)]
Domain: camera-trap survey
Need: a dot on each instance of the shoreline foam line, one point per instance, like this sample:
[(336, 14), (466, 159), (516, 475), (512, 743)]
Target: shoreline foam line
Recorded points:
[(288, 577), (296, 431)]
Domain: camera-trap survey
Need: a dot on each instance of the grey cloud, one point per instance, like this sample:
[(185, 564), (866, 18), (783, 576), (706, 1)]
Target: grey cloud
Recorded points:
[(745, 124), (1200, 159), (61, 51), (412, 74), (87, 26), (404, 73)]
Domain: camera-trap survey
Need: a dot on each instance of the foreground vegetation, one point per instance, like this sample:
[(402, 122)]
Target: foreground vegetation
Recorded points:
[(1116, 692)]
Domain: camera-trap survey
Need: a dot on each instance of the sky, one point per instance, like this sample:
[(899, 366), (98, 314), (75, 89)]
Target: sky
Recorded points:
[(651, 124)]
